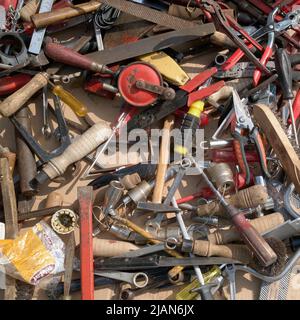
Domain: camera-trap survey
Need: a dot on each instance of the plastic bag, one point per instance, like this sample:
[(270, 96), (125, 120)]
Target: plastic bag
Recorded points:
[(33, 255)]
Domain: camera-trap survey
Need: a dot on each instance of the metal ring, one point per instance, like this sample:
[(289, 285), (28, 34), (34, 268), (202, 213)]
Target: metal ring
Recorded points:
[(138, 282), (186, 163), (171, 243)]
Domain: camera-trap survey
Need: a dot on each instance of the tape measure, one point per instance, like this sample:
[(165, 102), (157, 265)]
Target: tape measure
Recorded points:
[(38, 35)]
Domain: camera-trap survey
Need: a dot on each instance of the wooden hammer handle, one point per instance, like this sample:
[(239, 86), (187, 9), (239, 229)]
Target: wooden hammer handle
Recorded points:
[(42, 20), (163, 160), (14, 102)]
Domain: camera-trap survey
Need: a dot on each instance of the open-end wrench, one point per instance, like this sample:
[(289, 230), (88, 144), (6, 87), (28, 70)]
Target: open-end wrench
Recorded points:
[(46, 130), (138, 279), (169, 244), (154, 224)]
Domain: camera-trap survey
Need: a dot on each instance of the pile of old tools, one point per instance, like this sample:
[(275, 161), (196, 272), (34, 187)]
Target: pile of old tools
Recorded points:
[(134, 224)]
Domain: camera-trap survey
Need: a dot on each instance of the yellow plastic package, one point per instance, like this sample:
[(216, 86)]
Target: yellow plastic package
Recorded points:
[(33, 255)]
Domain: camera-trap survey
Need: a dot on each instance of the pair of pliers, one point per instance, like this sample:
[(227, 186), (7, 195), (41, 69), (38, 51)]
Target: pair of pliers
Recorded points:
[(245, 131), (269, 48), (290, 20), (186, 95)]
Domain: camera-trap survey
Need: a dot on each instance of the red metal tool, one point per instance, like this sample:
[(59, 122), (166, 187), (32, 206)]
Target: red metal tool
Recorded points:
[(269, 48), (229, 156), (296, 107), (244, 124), (85, 199), (185, 96), (10, 84)]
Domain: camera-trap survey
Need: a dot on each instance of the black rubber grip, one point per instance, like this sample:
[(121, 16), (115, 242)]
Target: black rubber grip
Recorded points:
[(284, 70)]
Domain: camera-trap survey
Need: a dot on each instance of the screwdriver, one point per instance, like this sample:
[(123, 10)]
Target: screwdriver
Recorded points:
[(284, 69), (190, 121), (15, 101), (77, 106)]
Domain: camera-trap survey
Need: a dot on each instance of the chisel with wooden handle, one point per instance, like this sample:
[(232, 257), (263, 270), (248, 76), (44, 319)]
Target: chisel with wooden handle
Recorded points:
[(68, 56)]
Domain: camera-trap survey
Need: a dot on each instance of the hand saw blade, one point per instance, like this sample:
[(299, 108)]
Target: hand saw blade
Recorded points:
[(155, 16), (151, 44)]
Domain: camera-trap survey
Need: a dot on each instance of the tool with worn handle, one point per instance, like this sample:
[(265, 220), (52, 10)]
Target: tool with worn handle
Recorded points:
[(262, 225), (254, 241), (163, 160), (14, 102), (205, 294), (250, 197), (81, 147), (234, 251), (112, 248), (45, 19), (62, 54), (279, 141), (26, 164), (174, 271)]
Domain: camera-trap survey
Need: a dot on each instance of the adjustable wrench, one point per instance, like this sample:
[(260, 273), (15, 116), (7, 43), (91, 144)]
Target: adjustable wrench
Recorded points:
[(139, 279)]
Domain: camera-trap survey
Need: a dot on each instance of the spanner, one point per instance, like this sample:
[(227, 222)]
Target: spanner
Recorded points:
[(169, 244), (154, 224), (46, 130), (139, 279), (230, 273)]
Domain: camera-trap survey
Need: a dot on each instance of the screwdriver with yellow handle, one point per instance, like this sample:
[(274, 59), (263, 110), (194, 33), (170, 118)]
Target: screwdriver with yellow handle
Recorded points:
[(18, 99), (187, 292), (77, 106), (189, 126)]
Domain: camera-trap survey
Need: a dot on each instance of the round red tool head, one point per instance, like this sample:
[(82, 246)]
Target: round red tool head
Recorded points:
[(127, 88)]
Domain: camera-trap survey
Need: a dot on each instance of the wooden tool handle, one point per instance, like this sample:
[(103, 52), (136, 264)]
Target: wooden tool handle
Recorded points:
[(29, 9), (68, 56), (111, 248), (42, 20), (279, 142), (261, 224), (163, 160), (221, 39), (232, 251), (10, 156), (254, 241), (14, 102), (54, 199), (247, 198)]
